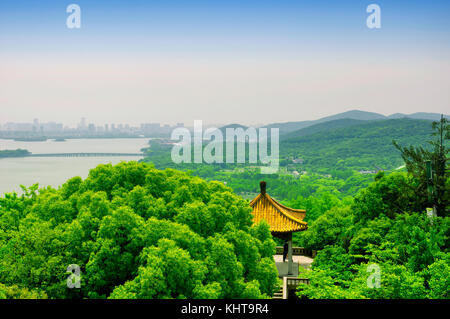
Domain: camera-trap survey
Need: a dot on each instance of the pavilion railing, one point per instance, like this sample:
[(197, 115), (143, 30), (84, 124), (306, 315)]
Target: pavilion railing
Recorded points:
[(298, 251)]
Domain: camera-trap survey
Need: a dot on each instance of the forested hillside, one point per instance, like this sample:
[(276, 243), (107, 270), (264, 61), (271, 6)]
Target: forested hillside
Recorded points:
[(322, 127), (326, 157), (358, 115), (366, 146), (344, 144)]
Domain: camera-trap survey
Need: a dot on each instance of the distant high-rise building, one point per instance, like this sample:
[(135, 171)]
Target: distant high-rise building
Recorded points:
[(150, 128), (50, 127), (20, 127), (35, 125), (82, 125), (91, 128)]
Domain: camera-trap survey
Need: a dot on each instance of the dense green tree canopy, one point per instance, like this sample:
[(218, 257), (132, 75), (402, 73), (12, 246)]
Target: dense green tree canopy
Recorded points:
[(135, 232), (385, 228)]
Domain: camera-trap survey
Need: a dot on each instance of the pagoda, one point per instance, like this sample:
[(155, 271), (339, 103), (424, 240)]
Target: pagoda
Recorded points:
[(283, 221)]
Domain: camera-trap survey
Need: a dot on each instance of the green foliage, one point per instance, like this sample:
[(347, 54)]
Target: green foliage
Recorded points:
[(135, 232), (386, 226), (389, 195), (438, 279), (362, 146), (14, 292), (330, 228), (380, 227), (435, 189), (397, 282), (324, 286), (140, 232)]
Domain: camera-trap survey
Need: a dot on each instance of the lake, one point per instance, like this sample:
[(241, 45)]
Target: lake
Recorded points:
[(54, 171)]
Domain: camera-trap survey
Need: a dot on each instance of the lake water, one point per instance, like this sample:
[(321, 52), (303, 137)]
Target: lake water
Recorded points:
[(54, 171)]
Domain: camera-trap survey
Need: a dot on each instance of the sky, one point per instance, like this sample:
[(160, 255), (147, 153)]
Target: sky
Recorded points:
[(249, 62)]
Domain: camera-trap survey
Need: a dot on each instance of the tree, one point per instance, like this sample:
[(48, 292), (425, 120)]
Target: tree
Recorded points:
[(439, 280), (415, 159), (329, 229), (388, 195), (135, 232)]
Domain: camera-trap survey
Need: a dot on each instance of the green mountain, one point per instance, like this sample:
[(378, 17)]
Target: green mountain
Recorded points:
[(326, 126), (418, 115), (353, 114), (337, 145), (288, 127), (348, 144)]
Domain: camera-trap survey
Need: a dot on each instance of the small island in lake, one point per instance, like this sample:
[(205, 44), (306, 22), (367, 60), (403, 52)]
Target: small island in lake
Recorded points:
[(14, 153)]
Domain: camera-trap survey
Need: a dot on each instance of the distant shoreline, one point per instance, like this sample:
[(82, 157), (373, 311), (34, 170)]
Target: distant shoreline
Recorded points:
[(14, 153)]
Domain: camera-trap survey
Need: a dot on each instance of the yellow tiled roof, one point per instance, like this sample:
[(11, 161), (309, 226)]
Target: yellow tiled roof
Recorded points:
[(281, 219)]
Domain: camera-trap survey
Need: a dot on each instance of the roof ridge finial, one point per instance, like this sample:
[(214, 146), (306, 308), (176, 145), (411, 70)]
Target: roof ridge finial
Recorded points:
[(262, 186)]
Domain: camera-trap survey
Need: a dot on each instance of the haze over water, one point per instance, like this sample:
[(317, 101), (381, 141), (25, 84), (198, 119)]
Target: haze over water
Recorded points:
[(54, 171)]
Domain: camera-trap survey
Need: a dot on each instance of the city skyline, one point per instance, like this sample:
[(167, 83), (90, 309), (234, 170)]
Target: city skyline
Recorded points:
[(83, 125), (38, 126)]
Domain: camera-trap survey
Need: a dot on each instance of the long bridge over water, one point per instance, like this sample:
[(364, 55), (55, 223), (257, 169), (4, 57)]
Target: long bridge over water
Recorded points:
[(87, 155)]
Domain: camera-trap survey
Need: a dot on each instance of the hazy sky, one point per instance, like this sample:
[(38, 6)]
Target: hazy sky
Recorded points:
[(220, 61)]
